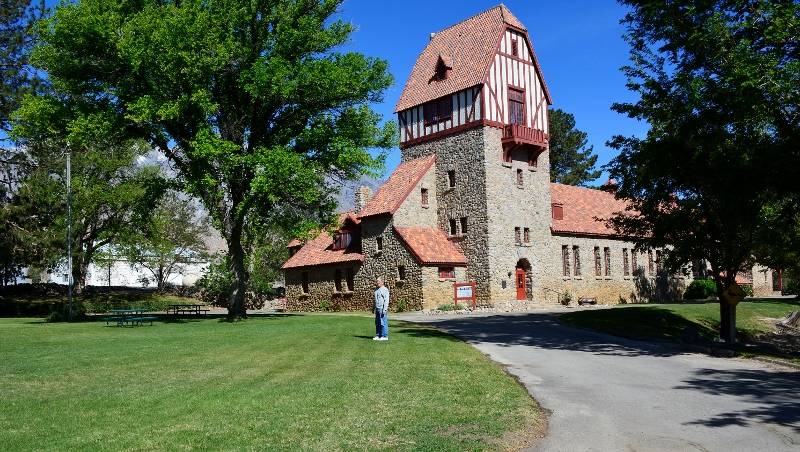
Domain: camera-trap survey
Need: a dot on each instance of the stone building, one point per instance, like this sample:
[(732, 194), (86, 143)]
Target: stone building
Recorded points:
[(472, 199)]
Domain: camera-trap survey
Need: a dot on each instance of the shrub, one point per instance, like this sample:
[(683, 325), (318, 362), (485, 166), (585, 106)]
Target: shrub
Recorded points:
[(446, 307), (747, 289), (60, 312), (566, 298), (216, 286), (700, 289), (401, 305), (324, 305)]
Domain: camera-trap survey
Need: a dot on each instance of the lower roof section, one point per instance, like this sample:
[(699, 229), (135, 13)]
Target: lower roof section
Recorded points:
[(430, 246)]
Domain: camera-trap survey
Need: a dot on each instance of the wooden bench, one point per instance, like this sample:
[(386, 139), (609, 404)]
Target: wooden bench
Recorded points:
[(585, 300)]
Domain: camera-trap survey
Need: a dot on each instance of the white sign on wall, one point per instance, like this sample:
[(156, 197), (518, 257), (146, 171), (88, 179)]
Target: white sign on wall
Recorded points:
[(464, 292)]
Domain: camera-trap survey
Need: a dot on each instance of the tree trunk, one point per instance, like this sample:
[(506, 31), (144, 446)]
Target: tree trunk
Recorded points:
[(236, 305), (727, 322), (80, 267)]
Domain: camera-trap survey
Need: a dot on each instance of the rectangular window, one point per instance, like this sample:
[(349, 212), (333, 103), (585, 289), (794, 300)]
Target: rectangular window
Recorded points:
[(634, 264), (526, 235), (424, 196), (305, 282), (598, 266), (337, 280), (558, 211), (514, 47), (565, 259), (520, 178), (438, 110), (447, 273), (607, 258), (350, 275), (517, 236), (453, 227), (626, 270), (650, 267), (401, 273), (516, 106), (576, 258), (658, 262), (451, 178), (341, 240), (463, 225), (379, 242)]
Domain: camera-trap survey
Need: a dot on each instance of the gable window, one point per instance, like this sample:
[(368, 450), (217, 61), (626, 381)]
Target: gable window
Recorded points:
[(379, 243), (337, 280), (626, 271), (305, 282), (520, 178), (350, 279), (516, 106), (453, 227), (401, 273), (565, 259), (424, 197), (634, 265), (438, 110), (451, 178), (526, 235), (447, 273), (558, 211), (463, 225), (517, 235), (576, 259), (514, 47), (598, 266), (650, 266), (341, 239), (607, 259)]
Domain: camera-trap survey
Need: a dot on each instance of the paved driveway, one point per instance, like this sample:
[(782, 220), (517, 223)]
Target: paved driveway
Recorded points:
[(612, 394)]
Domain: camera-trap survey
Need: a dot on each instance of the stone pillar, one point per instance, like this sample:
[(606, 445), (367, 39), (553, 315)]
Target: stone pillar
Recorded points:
[(362, 195)]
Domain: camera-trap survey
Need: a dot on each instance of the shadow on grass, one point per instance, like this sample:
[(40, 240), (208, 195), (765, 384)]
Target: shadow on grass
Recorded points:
[(772, 396), (426, 333)]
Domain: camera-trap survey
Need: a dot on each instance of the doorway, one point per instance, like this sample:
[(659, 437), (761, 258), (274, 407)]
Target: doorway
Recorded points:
[(522, 287), (523, 279)]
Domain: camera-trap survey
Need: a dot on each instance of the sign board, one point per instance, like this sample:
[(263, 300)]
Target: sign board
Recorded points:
[(464, 292)]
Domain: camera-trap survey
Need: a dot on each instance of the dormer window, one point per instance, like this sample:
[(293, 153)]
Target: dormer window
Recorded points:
[(514, 48), (342, 239), (558, 211), (443, 66)]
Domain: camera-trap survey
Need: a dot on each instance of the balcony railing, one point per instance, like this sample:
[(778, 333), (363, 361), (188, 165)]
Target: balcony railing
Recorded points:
[(516, 134)]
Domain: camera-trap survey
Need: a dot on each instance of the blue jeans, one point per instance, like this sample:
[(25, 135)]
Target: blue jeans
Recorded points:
[(381, 324)]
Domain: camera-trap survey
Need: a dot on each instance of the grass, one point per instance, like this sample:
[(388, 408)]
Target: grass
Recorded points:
[(666, 322), (269, 383), (43, 303)]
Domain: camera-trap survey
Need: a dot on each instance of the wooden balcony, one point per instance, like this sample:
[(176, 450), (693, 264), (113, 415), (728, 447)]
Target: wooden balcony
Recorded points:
[(516, 136)]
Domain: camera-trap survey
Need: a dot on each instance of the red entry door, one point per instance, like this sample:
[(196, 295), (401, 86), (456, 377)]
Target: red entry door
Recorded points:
[(521, 292)]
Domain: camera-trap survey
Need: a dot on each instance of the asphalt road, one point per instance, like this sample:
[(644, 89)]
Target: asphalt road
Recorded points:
[(611, 394)]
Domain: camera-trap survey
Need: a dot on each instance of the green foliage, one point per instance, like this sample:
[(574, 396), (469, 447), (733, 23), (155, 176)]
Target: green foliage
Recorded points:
[(400, 305), (325, 305), (252, 103), (172, 238), (723, 142), (566, 298), (700, 289), (217, 283), (571, 161)]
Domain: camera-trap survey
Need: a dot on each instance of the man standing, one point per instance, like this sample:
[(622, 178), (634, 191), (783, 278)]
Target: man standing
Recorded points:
[(381, 311)]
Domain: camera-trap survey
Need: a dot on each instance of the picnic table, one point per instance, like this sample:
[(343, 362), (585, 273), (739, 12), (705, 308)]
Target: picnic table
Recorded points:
[(189, 309), (132, 317)]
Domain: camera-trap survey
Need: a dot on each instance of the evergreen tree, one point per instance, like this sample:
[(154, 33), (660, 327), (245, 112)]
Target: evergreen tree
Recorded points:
[(571, 161)]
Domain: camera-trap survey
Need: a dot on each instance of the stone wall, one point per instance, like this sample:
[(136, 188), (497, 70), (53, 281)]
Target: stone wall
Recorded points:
[(438, 291), (411, 212), (762, 282), (463, 153)]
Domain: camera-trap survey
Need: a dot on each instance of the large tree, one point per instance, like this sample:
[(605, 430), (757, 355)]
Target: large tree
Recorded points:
[(719, 84), (250, 100), (572, 159)]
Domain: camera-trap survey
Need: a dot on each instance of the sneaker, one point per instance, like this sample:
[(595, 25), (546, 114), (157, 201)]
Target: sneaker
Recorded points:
[(383, 339), (376, 338)]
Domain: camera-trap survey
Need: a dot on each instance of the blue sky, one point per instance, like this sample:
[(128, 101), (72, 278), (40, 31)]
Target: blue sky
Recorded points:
[(579, 45)]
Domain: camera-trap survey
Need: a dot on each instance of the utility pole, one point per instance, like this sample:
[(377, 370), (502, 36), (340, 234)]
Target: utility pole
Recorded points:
[(69, 235)]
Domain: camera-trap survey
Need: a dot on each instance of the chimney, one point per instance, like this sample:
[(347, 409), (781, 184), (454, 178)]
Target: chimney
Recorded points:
[(432, 35), (610, 186), (362, 195)]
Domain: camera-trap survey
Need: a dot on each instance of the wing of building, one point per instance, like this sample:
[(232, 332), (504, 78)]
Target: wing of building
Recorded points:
[(472, 200)]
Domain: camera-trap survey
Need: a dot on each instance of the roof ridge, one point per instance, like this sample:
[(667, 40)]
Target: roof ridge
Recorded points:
[(472, 17)]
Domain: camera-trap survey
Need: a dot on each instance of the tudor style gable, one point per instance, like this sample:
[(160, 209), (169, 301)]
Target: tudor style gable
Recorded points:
[(482, 71)]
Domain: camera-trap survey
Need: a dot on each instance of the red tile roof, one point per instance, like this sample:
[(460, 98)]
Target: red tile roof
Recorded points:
[(431, 247), (294, 243), (582, 209), (318, 250), (469, 47), (395, 190)]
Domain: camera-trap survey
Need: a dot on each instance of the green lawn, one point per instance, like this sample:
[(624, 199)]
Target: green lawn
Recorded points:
[(666, 322), (283, 382)]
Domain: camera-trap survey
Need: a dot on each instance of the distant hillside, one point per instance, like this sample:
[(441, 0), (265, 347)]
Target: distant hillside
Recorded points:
[(347, 192)]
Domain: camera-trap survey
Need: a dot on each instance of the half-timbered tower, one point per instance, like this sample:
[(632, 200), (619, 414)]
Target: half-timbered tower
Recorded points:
[(472, 200)]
